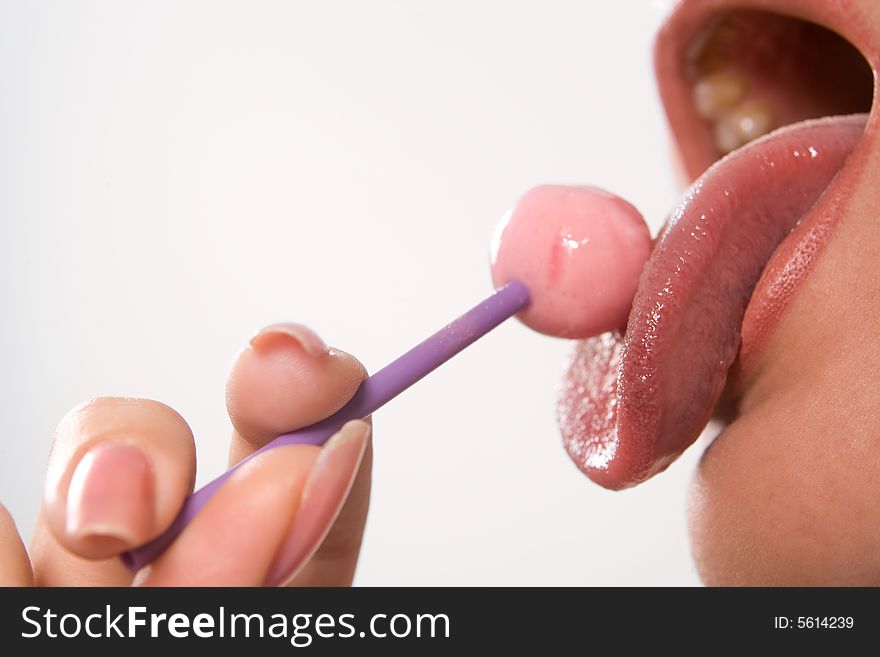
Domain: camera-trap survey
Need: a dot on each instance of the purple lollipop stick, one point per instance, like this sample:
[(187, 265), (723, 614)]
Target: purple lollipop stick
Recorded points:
[(373, 393)]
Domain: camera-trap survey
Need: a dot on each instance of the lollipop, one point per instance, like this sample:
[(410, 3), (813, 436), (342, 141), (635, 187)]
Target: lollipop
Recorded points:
[(567, 259), (579, 250)]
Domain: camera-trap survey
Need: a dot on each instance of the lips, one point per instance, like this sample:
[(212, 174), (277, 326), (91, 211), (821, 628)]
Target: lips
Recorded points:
[(707, 300)]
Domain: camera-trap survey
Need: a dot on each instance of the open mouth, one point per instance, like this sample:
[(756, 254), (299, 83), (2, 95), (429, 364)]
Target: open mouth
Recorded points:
[(772, 111)]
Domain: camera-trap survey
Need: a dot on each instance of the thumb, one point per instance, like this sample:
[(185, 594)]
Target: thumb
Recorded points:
[(324, 541)]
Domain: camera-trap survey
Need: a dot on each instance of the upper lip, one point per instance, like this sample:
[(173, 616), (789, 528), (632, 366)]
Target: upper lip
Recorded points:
[(694, 141)]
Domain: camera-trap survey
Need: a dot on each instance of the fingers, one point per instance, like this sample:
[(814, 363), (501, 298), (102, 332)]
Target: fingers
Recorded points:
[(233, 539), (272, 515), (287, 378), (15, 567), (322, 545), (119, 469)]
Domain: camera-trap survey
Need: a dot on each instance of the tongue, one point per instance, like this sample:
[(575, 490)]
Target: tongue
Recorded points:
[(633, 402)]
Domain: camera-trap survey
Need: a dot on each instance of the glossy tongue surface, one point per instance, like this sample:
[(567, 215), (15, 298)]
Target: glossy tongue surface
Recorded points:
[(632, 403)]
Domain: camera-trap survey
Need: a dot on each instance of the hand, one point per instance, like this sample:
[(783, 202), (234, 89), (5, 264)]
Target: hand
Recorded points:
[(120, 468)]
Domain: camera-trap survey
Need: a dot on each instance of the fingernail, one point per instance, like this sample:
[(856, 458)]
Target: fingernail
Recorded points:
[(111, 495), (324, 495), (311, 343)]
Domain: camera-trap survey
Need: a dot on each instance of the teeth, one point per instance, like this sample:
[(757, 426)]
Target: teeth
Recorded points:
[(741, 125), (723, 96), (716, 94)]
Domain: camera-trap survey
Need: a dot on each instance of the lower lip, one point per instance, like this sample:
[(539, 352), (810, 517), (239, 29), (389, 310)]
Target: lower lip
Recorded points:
[(633, 402), (788, 267)]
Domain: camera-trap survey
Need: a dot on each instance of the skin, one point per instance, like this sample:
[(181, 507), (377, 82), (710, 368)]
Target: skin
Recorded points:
[(785, 495), (295, 518)]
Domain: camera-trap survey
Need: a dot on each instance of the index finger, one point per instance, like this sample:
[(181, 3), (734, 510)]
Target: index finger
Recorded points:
[(285, 379)]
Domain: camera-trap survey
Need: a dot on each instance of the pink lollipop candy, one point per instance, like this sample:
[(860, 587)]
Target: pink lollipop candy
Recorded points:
[(579, 250)]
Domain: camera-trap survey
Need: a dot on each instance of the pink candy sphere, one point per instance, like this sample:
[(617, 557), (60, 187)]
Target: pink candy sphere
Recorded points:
[(579, 250)]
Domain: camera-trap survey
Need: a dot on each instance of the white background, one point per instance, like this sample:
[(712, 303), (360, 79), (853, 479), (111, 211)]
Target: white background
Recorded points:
[(173, 175)]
